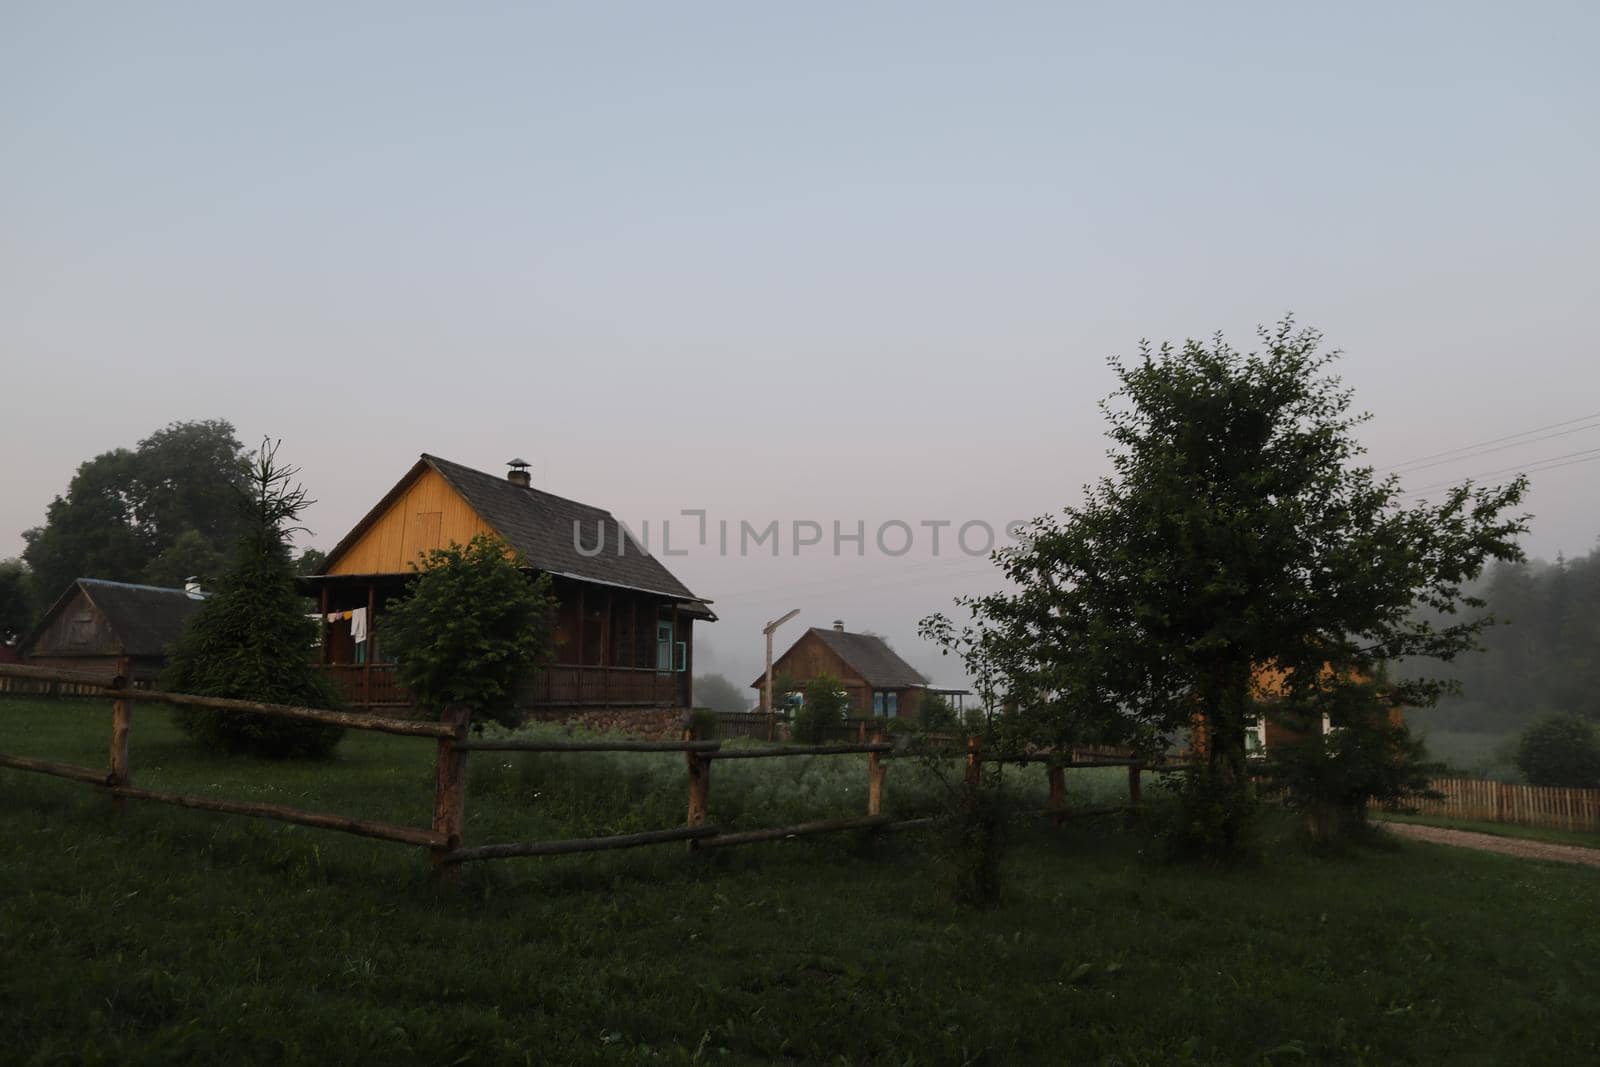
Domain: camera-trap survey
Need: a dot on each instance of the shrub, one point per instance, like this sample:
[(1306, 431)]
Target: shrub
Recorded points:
[(938, 715), (250, 639), (704, 723), (469, 626), (1334, 778), (1560, 750), (825, 706), (1210, 819)]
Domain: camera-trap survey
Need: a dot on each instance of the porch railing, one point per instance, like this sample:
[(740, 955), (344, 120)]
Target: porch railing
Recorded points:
[(375, 685)]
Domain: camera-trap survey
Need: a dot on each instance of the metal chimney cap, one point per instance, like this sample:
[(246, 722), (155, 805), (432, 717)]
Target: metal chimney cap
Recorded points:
[(838, 624), (517, 463)]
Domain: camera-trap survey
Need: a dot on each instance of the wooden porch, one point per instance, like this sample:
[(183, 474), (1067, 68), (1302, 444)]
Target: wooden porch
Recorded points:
[(374, 686)]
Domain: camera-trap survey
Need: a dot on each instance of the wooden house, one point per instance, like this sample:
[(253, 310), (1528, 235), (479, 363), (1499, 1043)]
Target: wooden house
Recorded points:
[(96, 623), (878, 682), (1273, 731), (624, 634)]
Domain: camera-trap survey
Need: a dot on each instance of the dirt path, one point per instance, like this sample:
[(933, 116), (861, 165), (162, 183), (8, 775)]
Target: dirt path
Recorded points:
[(1510, 846)]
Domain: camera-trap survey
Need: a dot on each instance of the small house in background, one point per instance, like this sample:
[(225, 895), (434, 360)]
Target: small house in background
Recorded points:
[(95, 623), (878, 682)]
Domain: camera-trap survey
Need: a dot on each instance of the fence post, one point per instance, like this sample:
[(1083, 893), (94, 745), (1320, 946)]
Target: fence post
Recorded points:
[(450, 792), (1058, 793), (121, 727), (699, 787), (1133, 790), (875, 775)]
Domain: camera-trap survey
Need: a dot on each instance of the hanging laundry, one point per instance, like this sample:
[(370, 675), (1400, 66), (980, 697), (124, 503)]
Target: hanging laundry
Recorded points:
[(335, 616), (358, 625)]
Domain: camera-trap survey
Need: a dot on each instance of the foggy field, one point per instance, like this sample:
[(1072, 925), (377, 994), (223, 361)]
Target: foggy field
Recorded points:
[(172, 934)]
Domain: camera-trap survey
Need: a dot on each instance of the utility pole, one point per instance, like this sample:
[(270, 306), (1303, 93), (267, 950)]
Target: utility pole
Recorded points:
[(772, 714)]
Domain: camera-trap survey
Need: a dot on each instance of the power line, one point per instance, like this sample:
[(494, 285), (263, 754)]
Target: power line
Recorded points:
[(1549, 463), (1491, 441), (1499, 448)]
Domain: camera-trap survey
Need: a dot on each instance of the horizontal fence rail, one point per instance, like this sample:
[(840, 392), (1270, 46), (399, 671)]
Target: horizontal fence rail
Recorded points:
[(454, 745), (1524, 805)]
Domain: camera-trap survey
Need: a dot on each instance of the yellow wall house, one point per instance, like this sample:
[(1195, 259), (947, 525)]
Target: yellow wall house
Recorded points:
[(625, 627)]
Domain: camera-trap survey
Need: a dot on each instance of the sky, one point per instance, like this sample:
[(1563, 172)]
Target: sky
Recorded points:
[(817, 263)]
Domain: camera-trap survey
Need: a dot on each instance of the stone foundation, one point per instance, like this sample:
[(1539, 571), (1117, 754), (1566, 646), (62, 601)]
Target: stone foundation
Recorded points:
[(645, 724)]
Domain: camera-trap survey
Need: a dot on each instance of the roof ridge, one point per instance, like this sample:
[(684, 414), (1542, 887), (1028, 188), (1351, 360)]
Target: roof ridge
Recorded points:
[(528, 488), (134, 585)]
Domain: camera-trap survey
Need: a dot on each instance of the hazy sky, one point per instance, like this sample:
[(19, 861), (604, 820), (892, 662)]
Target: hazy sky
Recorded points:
[(817, 262)]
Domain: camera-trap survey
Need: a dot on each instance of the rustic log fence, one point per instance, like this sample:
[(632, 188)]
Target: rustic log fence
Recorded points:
[(1523, 805), (455, 744)]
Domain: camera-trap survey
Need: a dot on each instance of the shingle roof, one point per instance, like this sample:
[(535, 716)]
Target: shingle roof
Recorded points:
[(869, 656), (145, 618), (542, 526)]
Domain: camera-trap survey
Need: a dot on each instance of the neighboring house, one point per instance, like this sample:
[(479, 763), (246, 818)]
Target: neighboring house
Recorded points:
[(878, 682), (624, 633), (95, 623)]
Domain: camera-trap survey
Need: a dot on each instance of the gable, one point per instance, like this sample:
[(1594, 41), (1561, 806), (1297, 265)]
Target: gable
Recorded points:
[(420, 515), (74, 627), (806, 659)]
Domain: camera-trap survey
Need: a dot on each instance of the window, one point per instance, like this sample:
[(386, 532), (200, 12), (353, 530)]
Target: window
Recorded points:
[(885, 704), (664, 645)]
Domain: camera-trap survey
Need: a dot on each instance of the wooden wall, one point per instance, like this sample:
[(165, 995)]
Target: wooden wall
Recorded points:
[(429, 514), (78, 629)]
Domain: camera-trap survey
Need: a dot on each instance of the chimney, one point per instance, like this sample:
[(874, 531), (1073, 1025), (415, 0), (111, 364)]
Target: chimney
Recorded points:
[(191, 587), (518, 474), (838, 624)]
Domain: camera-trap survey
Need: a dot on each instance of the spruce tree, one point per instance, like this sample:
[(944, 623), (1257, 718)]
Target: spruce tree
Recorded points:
[(252, 640)]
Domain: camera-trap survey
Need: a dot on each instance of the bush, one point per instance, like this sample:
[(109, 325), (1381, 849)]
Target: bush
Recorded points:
[(1334, 779), (825, 705), (1210, 819), (250, 639), (704, 723), (469, 626), (938, 715), (1560, 750)]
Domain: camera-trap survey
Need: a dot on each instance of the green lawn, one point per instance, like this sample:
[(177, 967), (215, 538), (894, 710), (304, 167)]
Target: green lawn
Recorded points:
[(165, 934)]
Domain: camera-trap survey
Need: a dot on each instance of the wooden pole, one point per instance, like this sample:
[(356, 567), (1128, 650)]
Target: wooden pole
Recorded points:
[(1058, 793), (699, 786), (121, 727), (876, 770), (1133, 791), (366, 673), (450, 793), (322, 623), (974, 763)]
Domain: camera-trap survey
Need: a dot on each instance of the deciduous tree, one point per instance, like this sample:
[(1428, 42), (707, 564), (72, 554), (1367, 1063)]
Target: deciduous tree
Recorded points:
[(472, 623), (1238, 528)]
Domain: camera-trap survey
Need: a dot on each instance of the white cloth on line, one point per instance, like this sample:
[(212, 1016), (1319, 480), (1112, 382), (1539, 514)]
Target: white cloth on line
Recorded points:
[(358, 625)]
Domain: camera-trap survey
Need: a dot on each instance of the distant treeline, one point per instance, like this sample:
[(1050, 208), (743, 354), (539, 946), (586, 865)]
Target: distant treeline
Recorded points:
[(1544, 656)]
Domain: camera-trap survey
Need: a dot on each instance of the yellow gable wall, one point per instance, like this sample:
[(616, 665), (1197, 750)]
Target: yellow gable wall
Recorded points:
[(428, 515)]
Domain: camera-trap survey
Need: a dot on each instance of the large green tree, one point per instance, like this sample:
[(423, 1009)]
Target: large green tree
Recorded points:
[(16, 600), (251, 640), (156, 513), (1238, 529)]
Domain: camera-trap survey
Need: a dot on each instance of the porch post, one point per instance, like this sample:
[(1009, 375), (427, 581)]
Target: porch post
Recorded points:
[(606, 655), (366, 673), (322, 622)]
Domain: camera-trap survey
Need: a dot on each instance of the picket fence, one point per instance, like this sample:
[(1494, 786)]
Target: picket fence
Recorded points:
[(1524, 805)]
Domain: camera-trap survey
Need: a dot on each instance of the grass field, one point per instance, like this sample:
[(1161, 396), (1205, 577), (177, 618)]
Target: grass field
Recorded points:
[(166, 935)]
